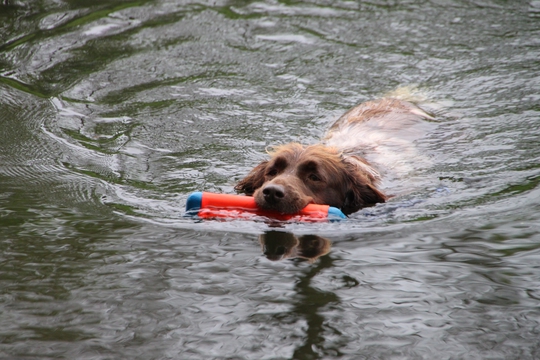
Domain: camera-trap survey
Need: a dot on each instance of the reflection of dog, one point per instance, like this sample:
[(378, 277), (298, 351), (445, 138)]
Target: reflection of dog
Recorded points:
[(277, 245), (336, 173)]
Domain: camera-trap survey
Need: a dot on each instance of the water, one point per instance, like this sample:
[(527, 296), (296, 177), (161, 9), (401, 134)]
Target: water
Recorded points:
[(113, 112)]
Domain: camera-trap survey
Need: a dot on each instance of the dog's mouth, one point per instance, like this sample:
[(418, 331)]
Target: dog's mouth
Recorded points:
[(280, 198)]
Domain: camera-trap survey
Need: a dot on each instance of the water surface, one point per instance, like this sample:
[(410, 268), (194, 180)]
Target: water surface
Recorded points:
[(113, 112)]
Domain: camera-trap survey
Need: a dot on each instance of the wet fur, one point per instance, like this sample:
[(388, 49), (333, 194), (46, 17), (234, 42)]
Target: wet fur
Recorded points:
[(336, 172)]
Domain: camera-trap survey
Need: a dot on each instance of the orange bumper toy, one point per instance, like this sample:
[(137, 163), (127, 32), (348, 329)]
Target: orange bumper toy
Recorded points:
[(206, 205)]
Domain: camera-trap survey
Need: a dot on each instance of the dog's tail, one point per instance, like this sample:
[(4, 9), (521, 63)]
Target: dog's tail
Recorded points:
[(411, 93), (420, 97)]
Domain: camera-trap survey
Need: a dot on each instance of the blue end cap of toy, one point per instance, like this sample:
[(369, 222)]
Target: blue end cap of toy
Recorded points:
[(193, 203), (335, 214)]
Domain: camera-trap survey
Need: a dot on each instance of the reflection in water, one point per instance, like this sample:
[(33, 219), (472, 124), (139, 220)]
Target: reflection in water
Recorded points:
[(277, 245), (113, 108), (310, 300)]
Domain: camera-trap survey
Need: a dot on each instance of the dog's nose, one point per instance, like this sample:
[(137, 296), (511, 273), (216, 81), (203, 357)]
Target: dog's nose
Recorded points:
[(273, 193)]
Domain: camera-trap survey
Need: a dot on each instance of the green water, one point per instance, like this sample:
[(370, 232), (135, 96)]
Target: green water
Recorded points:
[(113, 112)]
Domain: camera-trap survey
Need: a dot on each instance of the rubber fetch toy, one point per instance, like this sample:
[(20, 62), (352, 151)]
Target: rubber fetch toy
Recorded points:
[(206, 205)]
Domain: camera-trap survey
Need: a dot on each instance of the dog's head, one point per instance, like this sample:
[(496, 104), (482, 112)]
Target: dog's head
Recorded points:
[(298, 175)]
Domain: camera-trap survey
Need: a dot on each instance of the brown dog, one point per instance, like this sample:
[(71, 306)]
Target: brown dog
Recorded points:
[(336, 172)]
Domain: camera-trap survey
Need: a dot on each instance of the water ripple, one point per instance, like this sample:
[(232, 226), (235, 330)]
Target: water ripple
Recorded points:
[(113, 113)]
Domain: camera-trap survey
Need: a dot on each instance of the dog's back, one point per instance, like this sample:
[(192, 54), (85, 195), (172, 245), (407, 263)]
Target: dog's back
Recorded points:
[(383, 132), (370, 144)]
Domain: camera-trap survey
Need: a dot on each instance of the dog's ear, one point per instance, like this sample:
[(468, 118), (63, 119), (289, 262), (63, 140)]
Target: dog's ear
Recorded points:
[(360, 189), (253, 180), (360, 196)]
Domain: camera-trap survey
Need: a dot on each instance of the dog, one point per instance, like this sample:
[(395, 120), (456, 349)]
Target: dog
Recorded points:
[(345, 170)]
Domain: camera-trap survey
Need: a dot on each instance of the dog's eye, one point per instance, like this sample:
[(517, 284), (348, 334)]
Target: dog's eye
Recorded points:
[(314, 177), (272, 172)]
